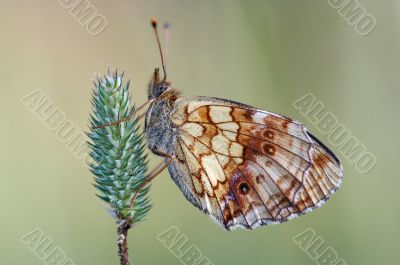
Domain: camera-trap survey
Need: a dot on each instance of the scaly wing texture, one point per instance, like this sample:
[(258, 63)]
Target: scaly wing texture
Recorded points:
[(248, 167)]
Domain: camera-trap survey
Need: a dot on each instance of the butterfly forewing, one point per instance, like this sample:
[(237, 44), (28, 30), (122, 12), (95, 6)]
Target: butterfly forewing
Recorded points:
[(248, 167)]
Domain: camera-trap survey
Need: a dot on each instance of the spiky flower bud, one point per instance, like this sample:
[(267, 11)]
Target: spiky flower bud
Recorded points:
[(118, 150)]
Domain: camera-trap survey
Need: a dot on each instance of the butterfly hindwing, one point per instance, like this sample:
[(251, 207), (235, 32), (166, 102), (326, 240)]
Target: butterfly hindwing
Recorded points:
[(248, 167)]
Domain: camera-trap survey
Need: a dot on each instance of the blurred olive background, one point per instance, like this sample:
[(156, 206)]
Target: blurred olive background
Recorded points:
[(263, 53)]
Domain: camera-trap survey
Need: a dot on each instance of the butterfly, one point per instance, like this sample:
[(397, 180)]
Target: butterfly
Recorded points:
[(243, 166)]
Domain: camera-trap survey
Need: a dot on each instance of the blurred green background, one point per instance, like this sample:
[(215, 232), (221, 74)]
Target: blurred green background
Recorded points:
[(263, 53)]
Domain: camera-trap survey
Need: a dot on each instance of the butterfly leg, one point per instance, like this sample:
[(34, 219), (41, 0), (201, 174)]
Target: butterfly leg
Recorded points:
[(163, 165), (129, 117), (154, 173)]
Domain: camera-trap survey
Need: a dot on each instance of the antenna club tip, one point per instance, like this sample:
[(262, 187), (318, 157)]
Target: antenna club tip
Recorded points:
[(154, 22), (167, 25)]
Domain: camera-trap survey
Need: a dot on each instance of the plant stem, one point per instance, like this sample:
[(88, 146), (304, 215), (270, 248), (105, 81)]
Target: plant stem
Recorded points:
[(123, 227)]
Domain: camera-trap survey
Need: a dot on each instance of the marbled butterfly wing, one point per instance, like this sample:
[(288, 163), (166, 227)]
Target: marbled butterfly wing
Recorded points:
[(247, 167), (243, 166)]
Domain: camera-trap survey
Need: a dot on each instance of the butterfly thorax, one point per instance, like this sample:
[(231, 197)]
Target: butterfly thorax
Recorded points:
[(160, 131)]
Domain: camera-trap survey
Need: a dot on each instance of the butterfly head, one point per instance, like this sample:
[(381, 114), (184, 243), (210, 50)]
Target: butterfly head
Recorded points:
[(157, 87), (158, 90)]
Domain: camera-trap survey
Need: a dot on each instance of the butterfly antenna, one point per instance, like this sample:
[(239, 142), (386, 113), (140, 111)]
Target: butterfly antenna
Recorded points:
[(154, 25), (166, 42)]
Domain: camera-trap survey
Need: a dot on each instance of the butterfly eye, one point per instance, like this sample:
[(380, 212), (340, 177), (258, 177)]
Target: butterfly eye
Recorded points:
[(158, 90)]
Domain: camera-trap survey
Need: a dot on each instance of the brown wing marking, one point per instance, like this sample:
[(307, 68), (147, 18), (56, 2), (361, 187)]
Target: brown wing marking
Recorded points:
[(252, 116), (210, 202), (277, 202), (286, 183), (231, 193), (227, 203), (286, 134), (266, 168)]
